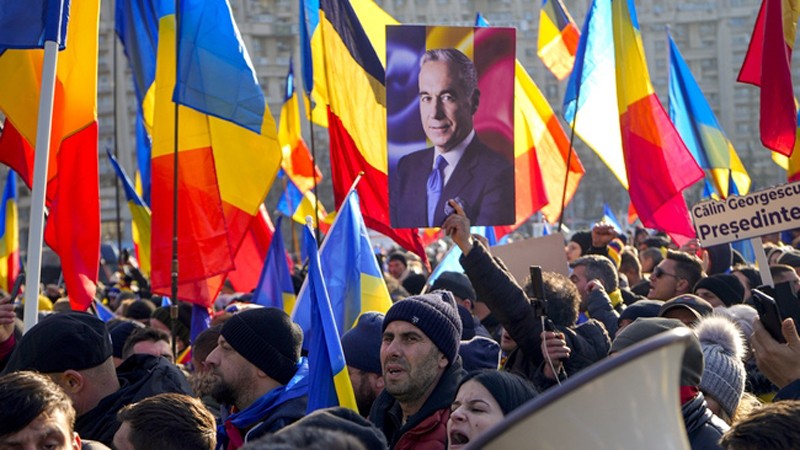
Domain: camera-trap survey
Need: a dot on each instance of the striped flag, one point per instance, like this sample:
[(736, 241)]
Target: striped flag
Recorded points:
[(558, 38), (9, 234), (275, 287), (140, 214)]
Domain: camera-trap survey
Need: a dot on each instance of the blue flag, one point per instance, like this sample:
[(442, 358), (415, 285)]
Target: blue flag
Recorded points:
[(103, 313), (26, 24), (215, 74), (275, 283), (329, 383), (201, 320)]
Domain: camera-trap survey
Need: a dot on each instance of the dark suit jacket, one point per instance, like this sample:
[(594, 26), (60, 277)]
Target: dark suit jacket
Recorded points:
[(483, 181)]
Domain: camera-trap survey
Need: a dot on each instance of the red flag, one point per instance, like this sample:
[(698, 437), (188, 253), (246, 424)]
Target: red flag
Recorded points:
[(771, 49)]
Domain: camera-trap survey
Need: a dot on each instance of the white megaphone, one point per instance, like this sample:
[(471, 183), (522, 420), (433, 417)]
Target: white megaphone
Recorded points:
[(628, 401)]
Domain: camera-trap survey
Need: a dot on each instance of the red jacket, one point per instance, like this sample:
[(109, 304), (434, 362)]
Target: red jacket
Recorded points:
[(430, 434)]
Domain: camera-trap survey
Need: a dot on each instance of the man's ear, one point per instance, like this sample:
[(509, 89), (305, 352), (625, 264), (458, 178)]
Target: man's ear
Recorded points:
[(475, 100), (683, 285), (443, 362), (76, 441), (71, 381)]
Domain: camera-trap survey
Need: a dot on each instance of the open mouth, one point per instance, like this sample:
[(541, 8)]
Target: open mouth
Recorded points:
[(458, 438)]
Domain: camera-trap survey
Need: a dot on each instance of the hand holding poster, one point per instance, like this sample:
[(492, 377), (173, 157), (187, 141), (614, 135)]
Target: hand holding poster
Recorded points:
[(450, 124), (756, 214)]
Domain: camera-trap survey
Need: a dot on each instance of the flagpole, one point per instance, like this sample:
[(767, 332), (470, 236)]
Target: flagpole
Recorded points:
[(42, 154), (116, 149), (569, 155), (173, 309)]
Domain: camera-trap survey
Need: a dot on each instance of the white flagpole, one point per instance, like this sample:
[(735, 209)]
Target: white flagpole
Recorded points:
[(43, 130)]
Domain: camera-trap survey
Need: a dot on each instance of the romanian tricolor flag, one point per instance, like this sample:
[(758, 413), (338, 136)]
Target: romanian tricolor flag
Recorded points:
[(558, 38), (9, 234), (140, 214), (355, 282), (252, 253), (297, 162), (701, 132), (275, 287), (228, 152), (349, 79), (73, 225), (328, 380), (652, 146), (590, 102), (768, 64), (299, 205)]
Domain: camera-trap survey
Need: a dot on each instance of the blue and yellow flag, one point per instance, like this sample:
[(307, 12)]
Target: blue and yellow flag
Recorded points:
[(140, 214), (328, 383), (355, 282), (9, 234), (701, 132), (275, 287)]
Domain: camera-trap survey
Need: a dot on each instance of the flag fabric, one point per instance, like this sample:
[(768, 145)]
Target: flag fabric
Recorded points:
[(771, 47), (329, 383), (136, 24), (28, 24), (251, 254), (73, 224), (298, 205), (225, 168), (103, 313), (140, 214), (700, 130), (590, 101), (480, 21), (348, 60), (651, 144), (9, 234), (610, 218), (275, 287), (558, 38), (297, 162), (355, 282), (201, 320)]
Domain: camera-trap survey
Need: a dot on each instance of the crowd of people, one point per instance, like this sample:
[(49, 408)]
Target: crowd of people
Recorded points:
[(447, 362)]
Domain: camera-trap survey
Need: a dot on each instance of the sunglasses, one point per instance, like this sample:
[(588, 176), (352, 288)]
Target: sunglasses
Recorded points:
[(658, 272)]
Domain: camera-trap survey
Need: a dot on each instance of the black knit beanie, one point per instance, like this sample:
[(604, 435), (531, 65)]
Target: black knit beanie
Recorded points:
[(267, 338), (436, 315), (584, 239), (725, 286)]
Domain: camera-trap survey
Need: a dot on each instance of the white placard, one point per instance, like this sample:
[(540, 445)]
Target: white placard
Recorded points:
[(756, 214)]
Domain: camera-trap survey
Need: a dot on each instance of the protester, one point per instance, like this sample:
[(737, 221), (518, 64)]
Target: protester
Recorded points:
[(597, 281), (650, 258), (723, 372), (74, 349), (721, 290), (579, 244), (704, 429), (483, 399), (778, 361), (260, 373), (749, 277), (162, 320), (421, 370), (120, 329), (782, 273), (688, 308), (166, 422), (518, 311), (149, 341), (362, 351), (397, 266), (774, 426), (36, 413), (336, 428), (630, 266), (479, 353), (458, 284), (677, 274), (642, 308), (139, 310)]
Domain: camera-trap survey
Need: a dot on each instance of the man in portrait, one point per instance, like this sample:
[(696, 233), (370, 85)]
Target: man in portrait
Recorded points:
[(458, 165)]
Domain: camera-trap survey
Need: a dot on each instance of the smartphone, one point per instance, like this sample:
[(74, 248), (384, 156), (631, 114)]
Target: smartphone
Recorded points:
[(768, 314), (17, 285)]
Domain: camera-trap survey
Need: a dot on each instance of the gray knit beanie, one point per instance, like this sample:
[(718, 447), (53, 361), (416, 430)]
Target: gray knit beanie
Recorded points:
[(723, 349)]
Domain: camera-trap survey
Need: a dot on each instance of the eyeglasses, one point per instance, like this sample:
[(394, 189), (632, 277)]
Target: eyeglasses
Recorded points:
[(658, 272)]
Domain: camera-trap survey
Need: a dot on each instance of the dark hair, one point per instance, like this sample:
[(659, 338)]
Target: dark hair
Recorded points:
[(775, 426), (26, 395), (600, 268), (509, 390), (688, 267), (629, 260), (750, 273), (398, 257), (563, 298), (307, 438), (142, 335), (653, 253), (205, 342), (173, 421), (777, 270)]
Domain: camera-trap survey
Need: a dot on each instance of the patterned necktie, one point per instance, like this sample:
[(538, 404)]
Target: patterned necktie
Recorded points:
[(435, 185)]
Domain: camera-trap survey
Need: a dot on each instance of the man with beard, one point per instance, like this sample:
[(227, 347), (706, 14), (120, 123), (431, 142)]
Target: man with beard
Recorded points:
[(421, 371), (362, 351), (259, 374)]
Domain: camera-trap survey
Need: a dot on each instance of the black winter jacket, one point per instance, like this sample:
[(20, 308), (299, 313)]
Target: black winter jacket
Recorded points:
[(703, 427)]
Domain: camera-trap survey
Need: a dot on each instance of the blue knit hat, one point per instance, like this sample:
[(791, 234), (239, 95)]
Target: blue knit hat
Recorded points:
[(479, 353), (435, 314), (362, 343)]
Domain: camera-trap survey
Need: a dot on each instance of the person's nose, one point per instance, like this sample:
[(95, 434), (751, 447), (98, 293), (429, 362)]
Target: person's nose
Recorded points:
[(438, 109), (458, 415)]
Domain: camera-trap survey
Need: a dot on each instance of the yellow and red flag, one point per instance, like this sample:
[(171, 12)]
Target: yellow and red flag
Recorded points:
[(558, 38)]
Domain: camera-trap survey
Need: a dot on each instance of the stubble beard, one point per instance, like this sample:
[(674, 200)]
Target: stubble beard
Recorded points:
[(418, 381)]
